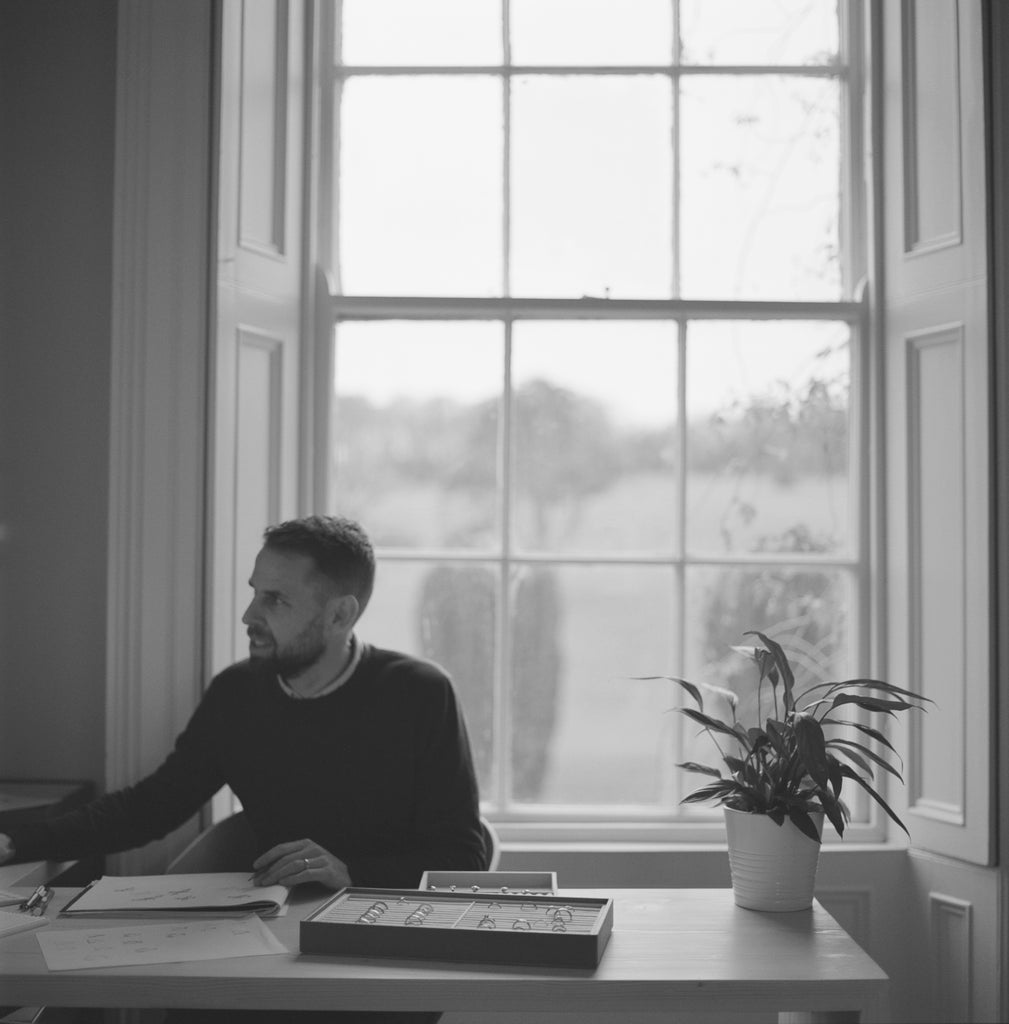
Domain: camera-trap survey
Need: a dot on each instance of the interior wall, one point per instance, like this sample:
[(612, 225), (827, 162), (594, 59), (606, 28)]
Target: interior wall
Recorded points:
[(57, 70)]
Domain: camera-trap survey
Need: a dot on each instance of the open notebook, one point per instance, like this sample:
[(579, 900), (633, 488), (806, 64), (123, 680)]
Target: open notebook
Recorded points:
[(225, 893)]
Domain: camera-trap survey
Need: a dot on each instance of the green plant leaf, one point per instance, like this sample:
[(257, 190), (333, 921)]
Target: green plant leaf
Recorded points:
[(812, 748), (832, 807), (777, 733), (688, 686), (855, 777), (741, 800), (830, 688), (743, 735), (765, 664), (871, 754), (834, 771), (715, 790), (861, 762), (754, 781), (836, 778), (710, 723), (693, 766), (803, 822), (879, 684), (693, 690), (871, 703), (781, 661), (868, 730)]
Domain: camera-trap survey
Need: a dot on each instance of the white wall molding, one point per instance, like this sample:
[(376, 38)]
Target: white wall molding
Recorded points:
[(952, 959), (159, 356)]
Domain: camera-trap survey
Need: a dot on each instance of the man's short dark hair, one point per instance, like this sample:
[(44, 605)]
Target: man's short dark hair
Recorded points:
[(339, 547)]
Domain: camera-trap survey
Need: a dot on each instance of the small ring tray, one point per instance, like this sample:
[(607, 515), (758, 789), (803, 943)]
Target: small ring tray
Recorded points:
[(546, 931)]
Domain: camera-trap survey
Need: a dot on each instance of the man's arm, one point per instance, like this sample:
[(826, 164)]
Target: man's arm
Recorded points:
[(128, 817)]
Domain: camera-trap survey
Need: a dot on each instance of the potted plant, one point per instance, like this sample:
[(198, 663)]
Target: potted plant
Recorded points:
[(785, 773)]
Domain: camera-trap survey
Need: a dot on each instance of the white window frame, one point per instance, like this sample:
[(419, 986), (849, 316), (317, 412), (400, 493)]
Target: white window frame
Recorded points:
[(581, 824)]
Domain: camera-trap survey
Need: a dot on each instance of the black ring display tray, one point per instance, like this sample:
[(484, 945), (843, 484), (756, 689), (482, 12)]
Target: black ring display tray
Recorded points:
[(549, 931)]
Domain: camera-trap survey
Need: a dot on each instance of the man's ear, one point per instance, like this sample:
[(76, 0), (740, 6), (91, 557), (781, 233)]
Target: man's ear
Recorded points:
[(343, 612)]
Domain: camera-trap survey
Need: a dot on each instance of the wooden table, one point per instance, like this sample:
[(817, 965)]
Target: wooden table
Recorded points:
[(671, 949)]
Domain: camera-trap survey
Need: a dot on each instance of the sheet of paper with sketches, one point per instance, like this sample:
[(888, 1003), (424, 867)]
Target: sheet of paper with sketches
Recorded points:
[(221, 893), (72, 949)]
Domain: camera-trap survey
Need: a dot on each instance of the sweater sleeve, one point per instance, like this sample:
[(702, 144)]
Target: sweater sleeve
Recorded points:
[(137, 814), (446, 830)]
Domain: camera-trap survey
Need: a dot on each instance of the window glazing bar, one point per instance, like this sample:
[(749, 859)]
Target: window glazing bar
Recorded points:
[(745, 560), (357, 307), (803, 70)]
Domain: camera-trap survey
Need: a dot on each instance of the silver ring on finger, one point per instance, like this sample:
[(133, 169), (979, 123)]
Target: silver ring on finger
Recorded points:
[(307, 867)]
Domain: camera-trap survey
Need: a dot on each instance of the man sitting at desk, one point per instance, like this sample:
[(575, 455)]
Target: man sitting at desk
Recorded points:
[(351, 762)]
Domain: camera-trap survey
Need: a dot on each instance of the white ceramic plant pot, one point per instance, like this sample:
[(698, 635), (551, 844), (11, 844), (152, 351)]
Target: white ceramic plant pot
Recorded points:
[(773, 868)]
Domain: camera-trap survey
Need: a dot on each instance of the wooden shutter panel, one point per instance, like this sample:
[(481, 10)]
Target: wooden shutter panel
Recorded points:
[(938, 485), (255, 409)]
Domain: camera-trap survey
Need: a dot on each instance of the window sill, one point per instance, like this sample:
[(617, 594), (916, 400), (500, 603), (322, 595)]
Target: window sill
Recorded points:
[(646, 865)]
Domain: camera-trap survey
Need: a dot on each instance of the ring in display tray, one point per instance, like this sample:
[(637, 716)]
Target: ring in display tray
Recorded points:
[(507, 928)]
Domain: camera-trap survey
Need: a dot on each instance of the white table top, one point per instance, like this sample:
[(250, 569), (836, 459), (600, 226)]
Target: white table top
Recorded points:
[(670, 948)]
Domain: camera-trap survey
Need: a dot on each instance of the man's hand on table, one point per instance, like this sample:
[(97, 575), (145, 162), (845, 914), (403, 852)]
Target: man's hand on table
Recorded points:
[(300, 861), (6, 848)]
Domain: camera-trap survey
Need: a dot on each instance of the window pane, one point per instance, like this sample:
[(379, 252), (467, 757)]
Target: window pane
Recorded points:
[(591, 186), (593, 528), (583, 732), (445, 612), (760, 202), (415, 431), (806, 610), (594, 436), (591, 32), (758, 31), (421, 186), (768, 437), (411, 33)]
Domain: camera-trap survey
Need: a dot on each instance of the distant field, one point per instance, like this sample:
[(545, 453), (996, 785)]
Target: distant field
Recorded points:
[(639, 512), (611, 742)]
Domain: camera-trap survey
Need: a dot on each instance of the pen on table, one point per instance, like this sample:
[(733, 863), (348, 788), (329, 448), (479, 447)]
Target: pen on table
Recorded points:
[(40, 907), (38, 901)]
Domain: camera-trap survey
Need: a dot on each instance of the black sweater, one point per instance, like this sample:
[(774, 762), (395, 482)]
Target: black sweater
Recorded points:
[(378, 772)]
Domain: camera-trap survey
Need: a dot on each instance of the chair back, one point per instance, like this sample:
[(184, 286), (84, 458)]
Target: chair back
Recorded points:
[(492, 844), (227, 845)]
